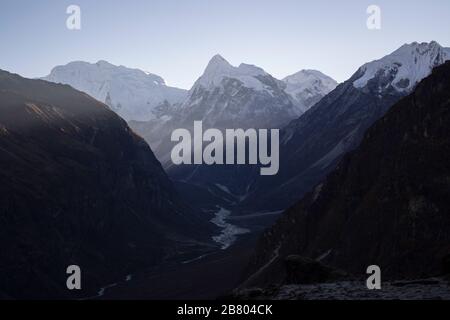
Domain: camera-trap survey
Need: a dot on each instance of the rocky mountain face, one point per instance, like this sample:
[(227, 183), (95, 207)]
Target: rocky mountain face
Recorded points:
[(385, 204), (308, 87), (79, 187), (232, 97), (223, 97), (312, 145), (404, 68), (238, 97), (131, 93)]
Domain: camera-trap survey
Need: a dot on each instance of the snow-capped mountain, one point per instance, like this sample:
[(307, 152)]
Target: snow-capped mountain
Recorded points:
[(219, 69), (307, 87), (313, 145), (238, 97), (402, 69), (132, 93), (225, 96)]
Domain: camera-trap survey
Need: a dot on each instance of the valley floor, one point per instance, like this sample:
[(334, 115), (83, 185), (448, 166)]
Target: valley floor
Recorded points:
[(199, 273), (208, 277)]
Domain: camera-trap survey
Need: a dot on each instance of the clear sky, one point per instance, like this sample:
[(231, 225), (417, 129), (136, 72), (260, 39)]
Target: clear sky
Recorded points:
[(176, 38)]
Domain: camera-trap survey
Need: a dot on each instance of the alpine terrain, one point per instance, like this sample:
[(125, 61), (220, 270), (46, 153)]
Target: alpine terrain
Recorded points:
[(233, 97), (131, 93), (312, 145), (308, 87)]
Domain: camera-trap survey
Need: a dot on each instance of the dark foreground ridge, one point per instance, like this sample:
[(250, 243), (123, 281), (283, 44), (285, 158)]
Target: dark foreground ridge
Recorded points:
[(78, 187), (386, 203)]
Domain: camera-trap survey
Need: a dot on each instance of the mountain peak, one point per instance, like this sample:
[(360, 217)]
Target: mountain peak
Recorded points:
[(218, 68), (307, 75), (217, 64), (307, 87), (405, 67), (218, 59), (419, 48), (104, 63)]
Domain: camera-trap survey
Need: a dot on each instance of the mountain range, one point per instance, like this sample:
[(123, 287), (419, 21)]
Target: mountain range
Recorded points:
[(320, 121), (223, 97), (363, 172), (312, 145)]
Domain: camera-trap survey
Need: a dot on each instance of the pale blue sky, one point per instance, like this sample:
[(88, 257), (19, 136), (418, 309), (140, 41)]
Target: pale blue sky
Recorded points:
[(176, 38)]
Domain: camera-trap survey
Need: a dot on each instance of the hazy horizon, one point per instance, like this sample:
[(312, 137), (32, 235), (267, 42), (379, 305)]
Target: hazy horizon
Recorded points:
[(175, 40)]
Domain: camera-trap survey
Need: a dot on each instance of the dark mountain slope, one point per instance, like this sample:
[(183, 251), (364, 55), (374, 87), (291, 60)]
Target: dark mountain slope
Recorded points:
[(312, 145), (78, 187), (387, 203)]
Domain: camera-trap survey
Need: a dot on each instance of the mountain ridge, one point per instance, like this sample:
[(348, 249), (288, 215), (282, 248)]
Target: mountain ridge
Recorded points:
[(80, 187), (384, 204), (132, 93), (224, 96), (313, 144)]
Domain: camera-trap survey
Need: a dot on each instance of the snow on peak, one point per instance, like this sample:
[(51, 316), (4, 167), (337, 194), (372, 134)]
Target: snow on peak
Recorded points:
[(405, 67), (102, 71), (103, 64), (307, 87), (251, 69), (132, 93), (311, 78), (218, 62), (219, 69)]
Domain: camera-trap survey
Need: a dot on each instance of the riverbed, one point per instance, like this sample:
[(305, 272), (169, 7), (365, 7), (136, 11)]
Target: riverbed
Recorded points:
[(229, 232)]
